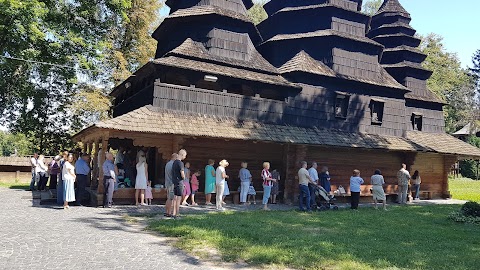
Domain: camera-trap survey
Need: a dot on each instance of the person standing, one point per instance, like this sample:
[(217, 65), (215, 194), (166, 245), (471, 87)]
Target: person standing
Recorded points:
[(178, 177), (210, 181), (355, 182), (275, 187), (82, 169), (378, 181), (60, 186), (313, 173), (245, 179), (169, 185), (267, 184), (68, 176), (416, 181), (119, 159), (195, 186), (141, 180), (186, 184), (35, 176), (42, 173), (220, 177), (110, 172), (54, 170), (403, 176), (324, 180), (303, 180)]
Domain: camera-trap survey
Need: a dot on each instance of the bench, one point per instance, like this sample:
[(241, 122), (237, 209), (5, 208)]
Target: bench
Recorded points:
[(391, 192)]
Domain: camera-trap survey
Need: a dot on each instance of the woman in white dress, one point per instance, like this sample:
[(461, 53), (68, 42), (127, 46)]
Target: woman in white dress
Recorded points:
[(68, 177), (141, 180)]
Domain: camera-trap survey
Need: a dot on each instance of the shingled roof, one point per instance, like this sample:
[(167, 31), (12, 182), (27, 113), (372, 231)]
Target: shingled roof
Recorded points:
[(443, 143), (206, 10), (149, 119), (322, 33), (211, 68), (393, 6), (303, 62), (197, 50)]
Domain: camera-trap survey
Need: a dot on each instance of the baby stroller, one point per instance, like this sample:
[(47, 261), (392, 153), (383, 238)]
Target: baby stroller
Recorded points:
[(324, 200)]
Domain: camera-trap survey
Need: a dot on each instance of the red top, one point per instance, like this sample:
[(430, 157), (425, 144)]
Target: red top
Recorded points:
[(266, 175), (194, 182)]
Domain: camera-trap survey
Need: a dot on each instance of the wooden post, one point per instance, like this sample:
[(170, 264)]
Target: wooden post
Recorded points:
[(95, 165), (448, 161), (100, 166), (293, 155), (89, 152)]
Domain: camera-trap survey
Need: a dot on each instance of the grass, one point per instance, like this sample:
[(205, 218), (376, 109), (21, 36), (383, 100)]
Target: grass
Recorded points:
[(14, 185), (465, 189), (413, 237)]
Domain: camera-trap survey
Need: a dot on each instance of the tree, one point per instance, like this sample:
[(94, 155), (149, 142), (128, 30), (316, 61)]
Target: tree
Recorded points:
[(90, 105), (370, 7), (450, 82), (81, 40), (257, 14), (11, 144), (475, 70)]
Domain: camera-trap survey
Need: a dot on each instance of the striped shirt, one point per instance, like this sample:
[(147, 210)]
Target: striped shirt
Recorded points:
[(266, 175)]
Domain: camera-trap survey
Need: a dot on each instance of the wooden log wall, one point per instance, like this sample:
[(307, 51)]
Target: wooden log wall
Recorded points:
[(342, 162), (201, 149), (433, 169)]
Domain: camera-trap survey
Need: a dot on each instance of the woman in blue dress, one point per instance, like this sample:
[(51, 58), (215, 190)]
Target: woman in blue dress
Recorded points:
[(209, 181), (324, 178)]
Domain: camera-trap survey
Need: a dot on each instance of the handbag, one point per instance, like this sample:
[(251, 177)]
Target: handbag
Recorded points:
[(341, 190)]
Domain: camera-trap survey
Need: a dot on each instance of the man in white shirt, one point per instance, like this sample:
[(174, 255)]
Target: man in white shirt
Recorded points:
[(311, 187), (35, 171), (403, 177)]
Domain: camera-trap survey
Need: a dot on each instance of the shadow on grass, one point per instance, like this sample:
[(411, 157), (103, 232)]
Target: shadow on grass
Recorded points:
[(19, 187), (414, 237)]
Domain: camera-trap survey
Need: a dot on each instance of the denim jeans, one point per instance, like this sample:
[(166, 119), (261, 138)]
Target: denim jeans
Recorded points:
[(304, 195), (244, 186), (311, 188), (35, 178), (266, 193), (416, 188)]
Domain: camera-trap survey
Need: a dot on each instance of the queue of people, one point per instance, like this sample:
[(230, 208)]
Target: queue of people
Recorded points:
[(181, 184)]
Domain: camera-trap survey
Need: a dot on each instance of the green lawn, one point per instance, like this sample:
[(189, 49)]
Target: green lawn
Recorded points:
[(413, 237), (14, 185), (465, 189)]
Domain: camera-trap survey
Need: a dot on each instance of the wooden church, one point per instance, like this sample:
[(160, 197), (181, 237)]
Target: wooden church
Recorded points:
[(316, 81)]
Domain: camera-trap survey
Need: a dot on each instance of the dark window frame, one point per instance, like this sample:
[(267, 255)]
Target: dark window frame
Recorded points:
[(417, 121), (377, 109), (342, 102)]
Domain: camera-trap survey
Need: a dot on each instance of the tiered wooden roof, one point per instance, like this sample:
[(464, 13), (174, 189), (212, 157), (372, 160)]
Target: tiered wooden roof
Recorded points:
[(195, 18), (328, 36), (213, 37), (401, 57)]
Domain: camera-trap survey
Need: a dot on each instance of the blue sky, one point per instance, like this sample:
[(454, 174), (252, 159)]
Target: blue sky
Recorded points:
[(457, 22)]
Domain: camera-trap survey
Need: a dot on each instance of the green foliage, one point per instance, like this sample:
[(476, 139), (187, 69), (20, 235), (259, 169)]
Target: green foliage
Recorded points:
[(465, 189), (370, 7), (450, 82), (11, 144), (402, 238), (471, 209), (257, 14), (90, 105), (459, 217), (468, 168), (37, 99)]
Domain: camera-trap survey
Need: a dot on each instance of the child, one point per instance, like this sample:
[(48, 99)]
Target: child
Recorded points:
[(148, 193), (186, 184), (194, 183), (251, 193)]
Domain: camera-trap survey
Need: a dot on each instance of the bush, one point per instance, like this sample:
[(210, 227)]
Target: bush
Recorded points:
[(468, 168), (471, 209), (458, 216)]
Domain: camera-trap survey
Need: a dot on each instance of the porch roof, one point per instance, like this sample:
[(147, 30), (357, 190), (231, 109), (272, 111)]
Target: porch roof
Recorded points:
[(152, 120)]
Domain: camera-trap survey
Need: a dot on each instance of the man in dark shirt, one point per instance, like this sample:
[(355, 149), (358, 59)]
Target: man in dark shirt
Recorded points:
[(178, 177)]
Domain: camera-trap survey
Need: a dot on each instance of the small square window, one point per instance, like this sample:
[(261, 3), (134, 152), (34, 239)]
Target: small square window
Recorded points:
[(376, 111), (341, 105), (417, 120)]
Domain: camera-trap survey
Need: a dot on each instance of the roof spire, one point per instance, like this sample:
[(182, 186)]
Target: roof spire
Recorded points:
[(393, 6)]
